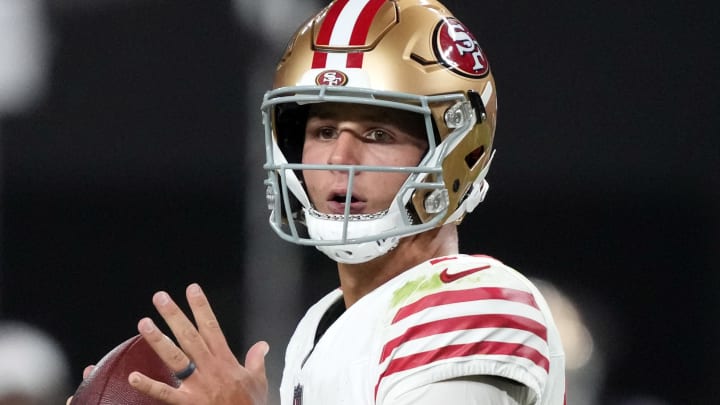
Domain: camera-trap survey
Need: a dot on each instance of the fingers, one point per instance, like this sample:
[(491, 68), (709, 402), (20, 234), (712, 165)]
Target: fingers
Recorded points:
[(206, 321), (255, 357), (182, 328), (88, 370), (255, 365), (196, 344), (172, 355), (154, 389), (218, 373)]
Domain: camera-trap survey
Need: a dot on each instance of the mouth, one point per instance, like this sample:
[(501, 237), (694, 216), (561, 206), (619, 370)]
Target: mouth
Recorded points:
[(336, 203)]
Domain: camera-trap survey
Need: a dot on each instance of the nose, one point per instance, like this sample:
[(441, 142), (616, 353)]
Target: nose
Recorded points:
[(346, 149)]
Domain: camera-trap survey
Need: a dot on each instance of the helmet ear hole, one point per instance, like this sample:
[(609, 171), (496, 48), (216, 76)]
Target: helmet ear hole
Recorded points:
[(478, 105), (456, 185), (473, 157)]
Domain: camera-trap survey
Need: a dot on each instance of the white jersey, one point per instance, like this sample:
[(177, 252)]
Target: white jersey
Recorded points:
[(450, 317)]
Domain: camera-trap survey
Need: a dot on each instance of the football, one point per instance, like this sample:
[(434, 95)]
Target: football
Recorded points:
[(108, 383)]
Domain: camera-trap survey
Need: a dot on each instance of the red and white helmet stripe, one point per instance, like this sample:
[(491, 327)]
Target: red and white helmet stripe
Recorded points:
[(346, 24)]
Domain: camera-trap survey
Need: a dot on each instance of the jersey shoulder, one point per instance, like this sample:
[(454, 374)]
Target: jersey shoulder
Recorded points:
[(460, 316)]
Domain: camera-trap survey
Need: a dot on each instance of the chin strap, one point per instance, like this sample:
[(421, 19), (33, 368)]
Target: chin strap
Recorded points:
[(340, 229)]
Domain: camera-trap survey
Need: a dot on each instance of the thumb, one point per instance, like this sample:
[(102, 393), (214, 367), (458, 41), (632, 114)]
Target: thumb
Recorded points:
[(88, 370), (255, 357)]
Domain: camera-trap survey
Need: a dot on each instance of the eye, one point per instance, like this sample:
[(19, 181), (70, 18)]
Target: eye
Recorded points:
[(326, 133), (378, 135)]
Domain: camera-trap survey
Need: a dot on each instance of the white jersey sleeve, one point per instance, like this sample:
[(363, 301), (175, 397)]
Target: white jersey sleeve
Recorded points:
[(470, 316)]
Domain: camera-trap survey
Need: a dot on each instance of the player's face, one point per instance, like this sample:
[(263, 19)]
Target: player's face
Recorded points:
[(352, 134)]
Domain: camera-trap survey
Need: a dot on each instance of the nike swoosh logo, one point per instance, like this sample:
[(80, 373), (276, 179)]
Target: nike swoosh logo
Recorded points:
[(446, 277)]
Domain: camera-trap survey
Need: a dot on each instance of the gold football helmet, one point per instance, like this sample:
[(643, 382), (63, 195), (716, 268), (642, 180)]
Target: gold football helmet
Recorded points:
[(411, 55)]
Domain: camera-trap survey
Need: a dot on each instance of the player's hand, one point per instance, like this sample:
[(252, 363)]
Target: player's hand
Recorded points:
[(218, 378)]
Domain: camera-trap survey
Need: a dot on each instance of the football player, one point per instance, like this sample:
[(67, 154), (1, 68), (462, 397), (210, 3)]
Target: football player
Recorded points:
[(379, 134)]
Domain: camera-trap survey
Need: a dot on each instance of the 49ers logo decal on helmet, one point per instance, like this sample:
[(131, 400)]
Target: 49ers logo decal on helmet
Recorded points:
[(331, 78), (456, 48)]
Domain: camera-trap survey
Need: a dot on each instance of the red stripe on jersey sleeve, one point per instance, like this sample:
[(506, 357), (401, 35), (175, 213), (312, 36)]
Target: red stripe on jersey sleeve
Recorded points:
[(442, 259), (465, 323), (457, 296), (463, 350), (325, 32), (360, 31)]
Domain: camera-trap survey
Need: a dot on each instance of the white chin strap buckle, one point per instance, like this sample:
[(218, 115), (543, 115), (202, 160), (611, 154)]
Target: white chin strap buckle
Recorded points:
[(359, 252)]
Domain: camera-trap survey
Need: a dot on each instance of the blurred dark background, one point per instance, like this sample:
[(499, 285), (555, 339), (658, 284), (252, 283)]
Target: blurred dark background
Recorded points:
[(138, 168)]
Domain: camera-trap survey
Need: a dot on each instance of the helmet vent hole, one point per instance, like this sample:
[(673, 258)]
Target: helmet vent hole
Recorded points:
[(473, 157)]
